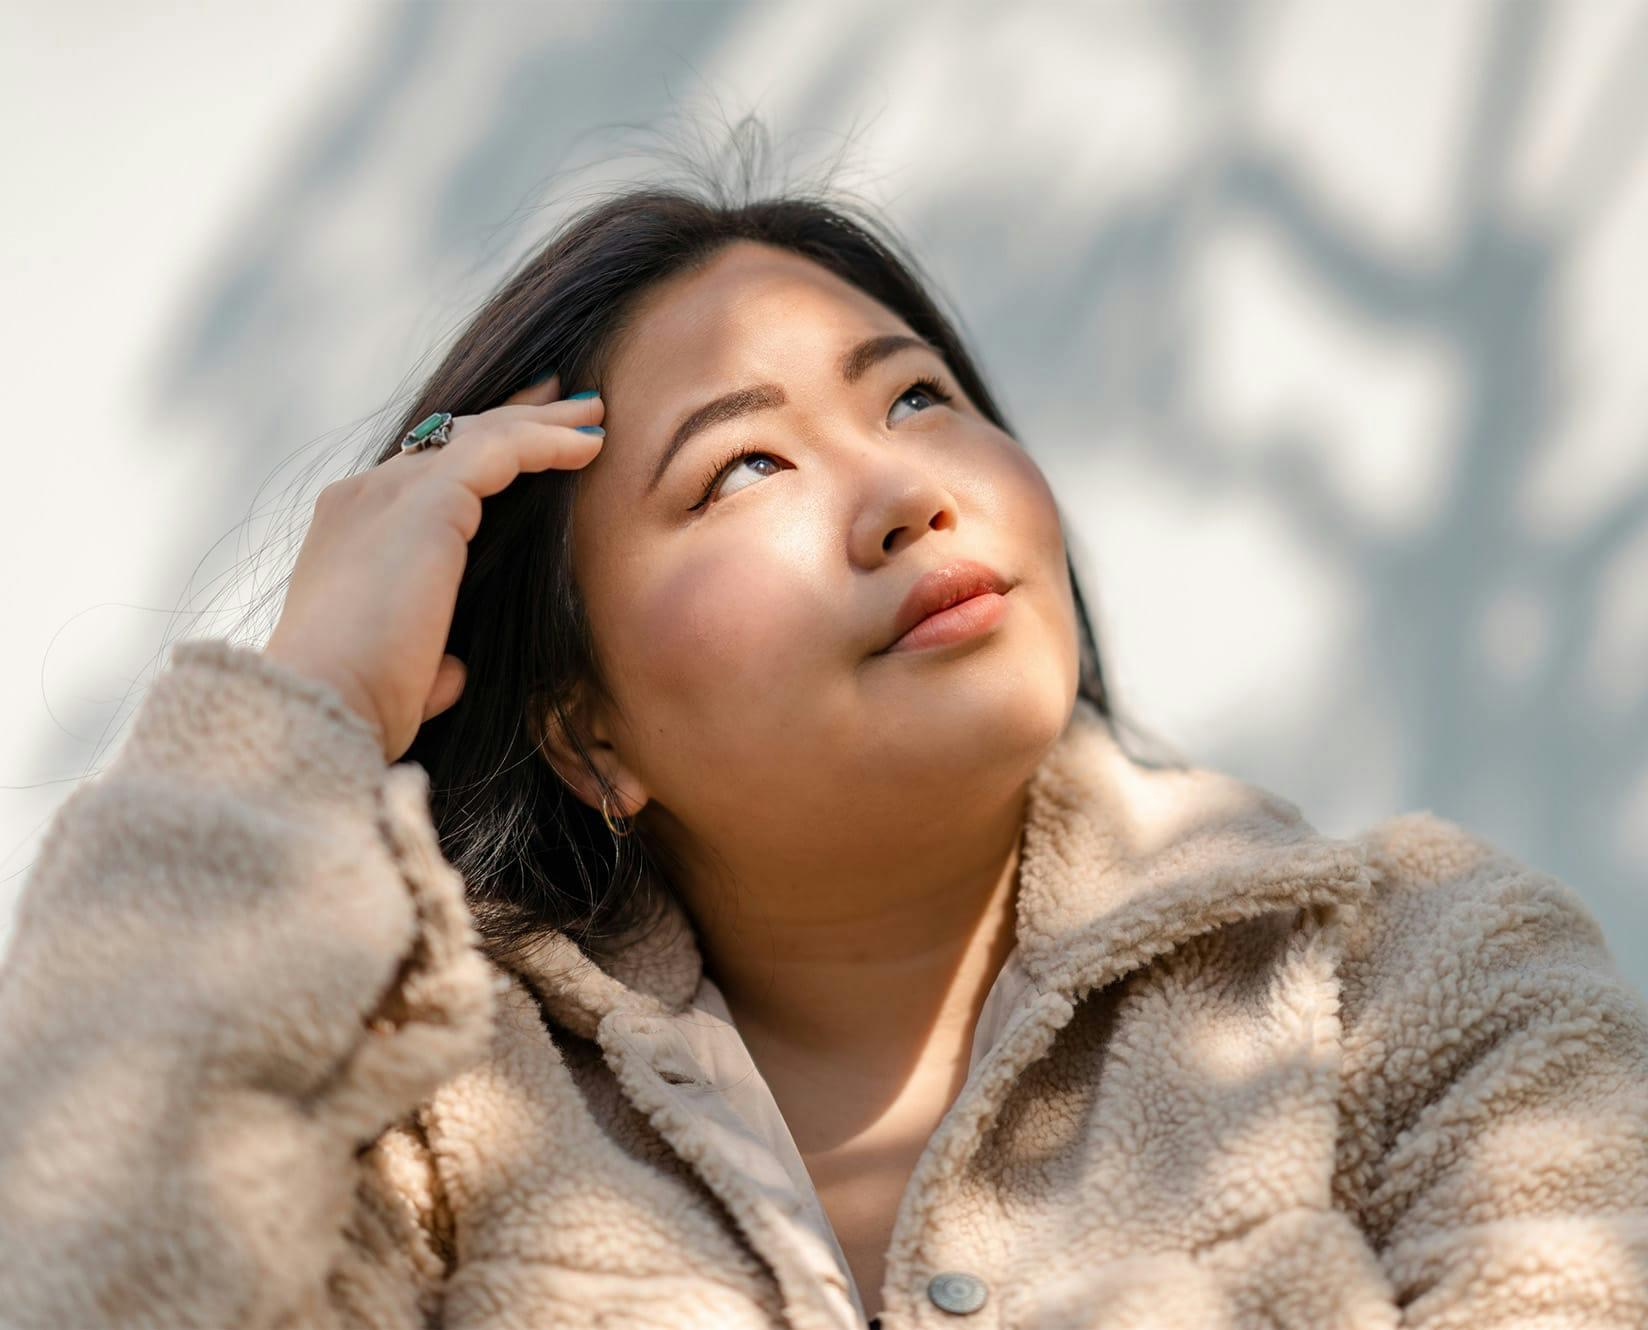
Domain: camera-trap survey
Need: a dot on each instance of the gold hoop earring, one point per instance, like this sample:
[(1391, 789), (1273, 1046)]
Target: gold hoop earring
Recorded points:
[(607, 818)]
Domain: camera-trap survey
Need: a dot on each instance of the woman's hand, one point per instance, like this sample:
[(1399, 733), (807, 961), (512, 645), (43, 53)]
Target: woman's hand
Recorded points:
[(376, 579)]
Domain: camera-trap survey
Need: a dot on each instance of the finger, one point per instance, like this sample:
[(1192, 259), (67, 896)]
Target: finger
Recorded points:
[(537, 394), (470, 432), (467, 431), (491, 462), (562, 411)]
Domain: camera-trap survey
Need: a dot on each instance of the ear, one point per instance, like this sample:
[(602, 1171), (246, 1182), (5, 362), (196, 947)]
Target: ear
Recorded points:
[(588, 717)]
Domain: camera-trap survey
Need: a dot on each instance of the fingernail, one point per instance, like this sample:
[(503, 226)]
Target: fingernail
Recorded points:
[(587, 392), (590, 429), (539, 383)]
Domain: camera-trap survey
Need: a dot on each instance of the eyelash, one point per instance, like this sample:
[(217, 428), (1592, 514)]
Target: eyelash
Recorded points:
[(712, 477)]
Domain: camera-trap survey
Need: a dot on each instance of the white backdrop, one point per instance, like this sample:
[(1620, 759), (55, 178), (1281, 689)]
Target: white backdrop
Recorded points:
[(1323, 319)]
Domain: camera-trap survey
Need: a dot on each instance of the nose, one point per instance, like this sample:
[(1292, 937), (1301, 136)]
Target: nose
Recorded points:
[(906, 501)]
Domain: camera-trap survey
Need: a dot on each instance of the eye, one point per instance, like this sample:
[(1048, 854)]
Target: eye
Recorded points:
[(711, 490)]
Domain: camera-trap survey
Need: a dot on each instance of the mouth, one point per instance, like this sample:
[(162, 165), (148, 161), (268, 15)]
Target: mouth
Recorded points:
[(954, 603)]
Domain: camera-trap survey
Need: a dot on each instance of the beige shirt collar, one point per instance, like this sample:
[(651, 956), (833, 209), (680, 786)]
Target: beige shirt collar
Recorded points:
[(754, 1131)]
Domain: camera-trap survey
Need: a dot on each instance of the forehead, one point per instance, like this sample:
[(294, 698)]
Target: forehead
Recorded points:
[(754, 310)]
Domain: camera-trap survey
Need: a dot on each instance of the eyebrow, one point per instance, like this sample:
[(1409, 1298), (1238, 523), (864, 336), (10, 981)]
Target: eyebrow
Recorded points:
[(853, 366)]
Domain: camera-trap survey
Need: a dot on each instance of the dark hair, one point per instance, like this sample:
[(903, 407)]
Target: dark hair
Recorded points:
[(533, 855)]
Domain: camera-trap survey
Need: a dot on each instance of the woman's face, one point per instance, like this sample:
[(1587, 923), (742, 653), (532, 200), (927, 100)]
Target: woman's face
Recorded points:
[(740, 611)]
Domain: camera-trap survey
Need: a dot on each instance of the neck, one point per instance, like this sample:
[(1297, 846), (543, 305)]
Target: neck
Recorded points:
[(869, 962)]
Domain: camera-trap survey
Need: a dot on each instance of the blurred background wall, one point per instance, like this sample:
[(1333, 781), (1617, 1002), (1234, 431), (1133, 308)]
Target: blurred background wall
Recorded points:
[(1325, 321)]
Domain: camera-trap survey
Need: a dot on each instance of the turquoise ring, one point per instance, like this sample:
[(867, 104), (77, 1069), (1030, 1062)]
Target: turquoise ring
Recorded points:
[(430, 432)]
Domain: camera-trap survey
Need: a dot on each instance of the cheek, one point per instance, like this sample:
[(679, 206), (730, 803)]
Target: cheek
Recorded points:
[(1029, 501), (1023, 504), (722, 631), (1012, 497)]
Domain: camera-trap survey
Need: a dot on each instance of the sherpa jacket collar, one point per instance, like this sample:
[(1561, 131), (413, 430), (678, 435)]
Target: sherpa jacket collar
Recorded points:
[(1120, 863)]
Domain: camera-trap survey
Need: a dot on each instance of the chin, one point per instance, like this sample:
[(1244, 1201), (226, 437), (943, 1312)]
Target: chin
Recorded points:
[(1003, 708)]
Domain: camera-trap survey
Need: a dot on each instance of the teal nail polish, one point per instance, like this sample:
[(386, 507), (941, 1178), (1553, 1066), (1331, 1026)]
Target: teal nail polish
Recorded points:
[(537, 383), (587, 392), (590, 429)]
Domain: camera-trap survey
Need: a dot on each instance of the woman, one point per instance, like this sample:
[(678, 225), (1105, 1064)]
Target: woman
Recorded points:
[(700, 883)]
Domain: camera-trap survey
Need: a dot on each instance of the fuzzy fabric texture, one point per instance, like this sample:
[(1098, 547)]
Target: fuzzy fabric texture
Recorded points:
[(257, 1074)]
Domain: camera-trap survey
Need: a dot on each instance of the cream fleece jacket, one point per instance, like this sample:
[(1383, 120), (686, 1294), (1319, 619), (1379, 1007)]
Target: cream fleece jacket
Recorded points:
[(257, 1074)]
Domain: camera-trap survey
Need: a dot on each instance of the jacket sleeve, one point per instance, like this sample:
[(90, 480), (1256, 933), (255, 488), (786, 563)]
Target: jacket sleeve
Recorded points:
[(1494, 1143), (239, 965)]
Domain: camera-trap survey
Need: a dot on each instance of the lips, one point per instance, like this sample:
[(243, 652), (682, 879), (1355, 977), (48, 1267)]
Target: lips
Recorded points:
[(941, 588)]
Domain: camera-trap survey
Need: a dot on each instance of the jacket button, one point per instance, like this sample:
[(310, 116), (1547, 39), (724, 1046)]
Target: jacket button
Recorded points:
[(957, 1292)]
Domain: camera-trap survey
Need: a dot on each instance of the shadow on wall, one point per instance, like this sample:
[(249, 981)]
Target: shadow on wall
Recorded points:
[(412, 181)]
